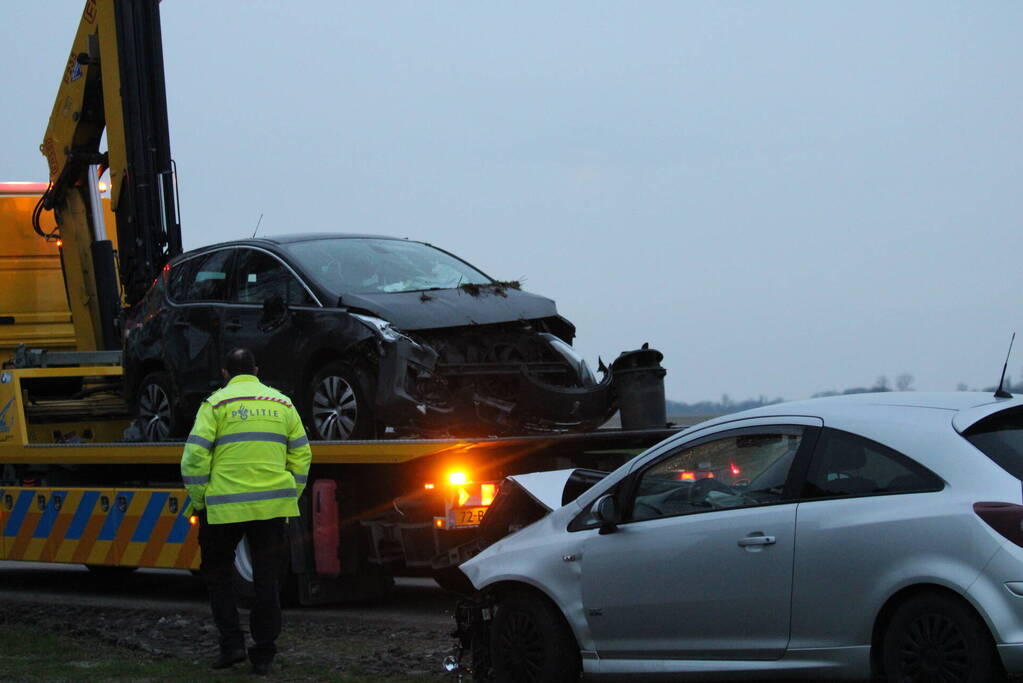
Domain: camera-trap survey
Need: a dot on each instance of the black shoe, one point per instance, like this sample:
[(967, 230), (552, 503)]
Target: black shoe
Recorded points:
[(229, 658), (260, 668)]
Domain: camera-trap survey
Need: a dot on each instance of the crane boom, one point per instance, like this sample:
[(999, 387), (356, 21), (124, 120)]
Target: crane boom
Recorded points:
[(113, 82)]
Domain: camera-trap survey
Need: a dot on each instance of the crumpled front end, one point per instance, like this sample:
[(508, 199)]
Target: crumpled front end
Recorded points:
[(496, 379)]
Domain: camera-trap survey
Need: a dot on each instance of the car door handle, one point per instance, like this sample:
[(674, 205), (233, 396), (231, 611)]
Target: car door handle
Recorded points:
[(182, 323), (233, 325), (757, 540)]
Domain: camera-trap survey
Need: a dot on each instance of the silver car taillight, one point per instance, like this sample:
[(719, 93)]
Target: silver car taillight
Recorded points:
[(1005, 518)]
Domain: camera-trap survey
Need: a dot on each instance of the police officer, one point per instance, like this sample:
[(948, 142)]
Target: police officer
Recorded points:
[(245, 465)]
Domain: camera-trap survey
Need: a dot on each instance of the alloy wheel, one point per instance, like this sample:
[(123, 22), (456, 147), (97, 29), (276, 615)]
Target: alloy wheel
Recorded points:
[(934, 648), (522, 647), (155, 413), (335, 409)]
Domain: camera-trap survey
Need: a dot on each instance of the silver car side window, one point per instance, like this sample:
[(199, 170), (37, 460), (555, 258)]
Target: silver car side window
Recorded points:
[(739, 470), (845, 465)]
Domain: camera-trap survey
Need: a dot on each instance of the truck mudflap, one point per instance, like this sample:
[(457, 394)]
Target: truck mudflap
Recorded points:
[(326, 533)]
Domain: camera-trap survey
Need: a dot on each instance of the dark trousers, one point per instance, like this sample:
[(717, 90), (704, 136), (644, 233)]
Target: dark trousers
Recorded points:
[(268, 550)]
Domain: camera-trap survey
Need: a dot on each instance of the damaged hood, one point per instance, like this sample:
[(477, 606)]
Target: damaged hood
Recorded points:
[(546, 488), (452, 307)]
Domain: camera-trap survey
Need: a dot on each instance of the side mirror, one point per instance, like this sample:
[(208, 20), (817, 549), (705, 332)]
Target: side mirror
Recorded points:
[(605, 510)]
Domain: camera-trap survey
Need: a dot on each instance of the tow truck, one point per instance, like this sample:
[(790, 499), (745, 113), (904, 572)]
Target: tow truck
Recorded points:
[(72, 490)]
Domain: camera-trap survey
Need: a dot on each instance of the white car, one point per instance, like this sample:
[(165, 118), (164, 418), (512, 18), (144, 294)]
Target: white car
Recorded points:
[(845, 537)]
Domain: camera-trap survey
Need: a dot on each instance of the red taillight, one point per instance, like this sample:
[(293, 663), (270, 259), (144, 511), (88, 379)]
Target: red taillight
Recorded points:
[(1005, 518)]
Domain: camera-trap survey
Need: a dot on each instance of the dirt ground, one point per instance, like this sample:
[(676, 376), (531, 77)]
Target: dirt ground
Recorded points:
[(345, 645)]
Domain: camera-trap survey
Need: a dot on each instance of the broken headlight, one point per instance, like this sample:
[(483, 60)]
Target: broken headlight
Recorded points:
[(383, 328)]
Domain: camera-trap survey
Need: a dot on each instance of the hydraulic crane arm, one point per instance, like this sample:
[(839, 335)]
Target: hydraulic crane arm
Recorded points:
[(113, 81)]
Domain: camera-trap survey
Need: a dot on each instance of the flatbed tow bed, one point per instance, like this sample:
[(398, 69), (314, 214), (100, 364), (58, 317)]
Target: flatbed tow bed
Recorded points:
[(373, 509)]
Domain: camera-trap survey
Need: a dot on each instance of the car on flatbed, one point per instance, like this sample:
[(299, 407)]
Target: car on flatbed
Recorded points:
[(834, 538), (365, 333)]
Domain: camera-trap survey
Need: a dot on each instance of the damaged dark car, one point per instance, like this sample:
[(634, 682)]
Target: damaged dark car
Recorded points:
[(367, 334)]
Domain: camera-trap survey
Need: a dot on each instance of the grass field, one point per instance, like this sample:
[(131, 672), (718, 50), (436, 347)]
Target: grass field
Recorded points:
[(32, 654)]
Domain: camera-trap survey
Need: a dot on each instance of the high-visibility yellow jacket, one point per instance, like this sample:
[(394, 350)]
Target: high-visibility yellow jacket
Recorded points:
[(247, 457)]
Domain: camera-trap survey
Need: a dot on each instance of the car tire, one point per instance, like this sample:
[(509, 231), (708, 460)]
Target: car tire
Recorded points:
[(934, 637), (530, 642), (338, 404), (156, 409)]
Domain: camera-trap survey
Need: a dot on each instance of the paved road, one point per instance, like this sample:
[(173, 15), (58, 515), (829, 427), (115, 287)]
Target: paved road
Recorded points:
[(416, 600)]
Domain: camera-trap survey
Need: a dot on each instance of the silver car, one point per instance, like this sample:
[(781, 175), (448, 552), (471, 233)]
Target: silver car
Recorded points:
[(845, 537)]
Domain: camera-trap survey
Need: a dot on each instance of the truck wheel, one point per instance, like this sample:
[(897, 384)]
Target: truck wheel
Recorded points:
[(934, 638), (156, 410), (530, 642), (338, 404)]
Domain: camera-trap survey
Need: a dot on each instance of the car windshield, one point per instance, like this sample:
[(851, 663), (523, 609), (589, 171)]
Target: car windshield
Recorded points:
[(379, 266)]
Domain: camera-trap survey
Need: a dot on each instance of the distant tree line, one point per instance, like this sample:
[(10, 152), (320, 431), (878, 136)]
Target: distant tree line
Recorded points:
[(725, 405), (903, 382)]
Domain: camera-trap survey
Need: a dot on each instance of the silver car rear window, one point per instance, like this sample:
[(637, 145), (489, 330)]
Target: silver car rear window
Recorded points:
[(1000, 437)]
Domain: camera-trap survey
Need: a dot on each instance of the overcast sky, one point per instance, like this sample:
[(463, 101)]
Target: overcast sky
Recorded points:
[(783, 197)]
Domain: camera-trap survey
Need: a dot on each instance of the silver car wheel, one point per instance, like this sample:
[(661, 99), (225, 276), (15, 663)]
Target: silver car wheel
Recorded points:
[(335, 409), (155, 412)]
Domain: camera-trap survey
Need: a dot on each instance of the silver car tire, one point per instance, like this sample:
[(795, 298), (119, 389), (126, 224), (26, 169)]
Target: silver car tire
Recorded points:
[(530, 642), (934, 637)]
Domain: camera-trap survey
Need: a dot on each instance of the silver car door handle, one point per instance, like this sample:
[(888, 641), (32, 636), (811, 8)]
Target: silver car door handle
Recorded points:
[(756, 540)]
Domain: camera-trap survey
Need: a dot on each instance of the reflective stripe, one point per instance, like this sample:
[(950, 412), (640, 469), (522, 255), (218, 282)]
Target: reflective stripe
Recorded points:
[(298, 443), (251, 398), (250, 496), (251, 436), (299, 478), (199, 441), (192, 481)]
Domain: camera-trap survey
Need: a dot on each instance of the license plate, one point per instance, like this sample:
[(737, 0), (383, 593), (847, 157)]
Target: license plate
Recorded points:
[(469, 516)]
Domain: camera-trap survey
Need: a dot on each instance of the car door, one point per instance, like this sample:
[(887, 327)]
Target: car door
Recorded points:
[(700, 567), (867, 515), (265, 316), (198, 290)]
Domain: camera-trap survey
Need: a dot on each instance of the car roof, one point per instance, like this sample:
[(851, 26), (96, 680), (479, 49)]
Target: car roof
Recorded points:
[(964, 408), (311, 236), (277, 240)]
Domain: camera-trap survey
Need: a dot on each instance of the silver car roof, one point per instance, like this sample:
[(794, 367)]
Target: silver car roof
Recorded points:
[(965, 408)]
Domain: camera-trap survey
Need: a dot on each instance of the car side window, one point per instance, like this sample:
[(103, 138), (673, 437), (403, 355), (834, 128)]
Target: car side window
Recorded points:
[(259, 276), (179, 278), (845, 464), (206, 279), (739, 470)]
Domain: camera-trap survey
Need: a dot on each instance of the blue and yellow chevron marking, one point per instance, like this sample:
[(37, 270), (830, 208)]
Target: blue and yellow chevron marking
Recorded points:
[(128, 527)]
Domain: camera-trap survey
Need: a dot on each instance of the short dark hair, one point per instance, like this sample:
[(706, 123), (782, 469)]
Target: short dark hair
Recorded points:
[(239, 361)]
